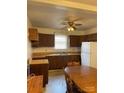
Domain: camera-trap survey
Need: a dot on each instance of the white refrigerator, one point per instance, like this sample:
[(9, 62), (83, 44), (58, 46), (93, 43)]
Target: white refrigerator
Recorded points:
[(89, 54)]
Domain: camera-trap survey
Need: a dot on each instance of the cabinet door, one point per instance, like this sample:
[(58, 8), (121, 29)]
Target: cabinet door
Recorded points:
[(91, 37), (33, 34), (46, 40), (75, 41)]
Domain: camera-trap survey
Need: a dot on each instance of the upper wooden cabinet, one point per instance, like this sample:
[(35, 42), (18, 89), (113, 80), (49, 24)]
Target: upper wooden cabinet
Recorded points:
[(88, 38), (44, 40), (75, 41), (92, 37), (33, 34)]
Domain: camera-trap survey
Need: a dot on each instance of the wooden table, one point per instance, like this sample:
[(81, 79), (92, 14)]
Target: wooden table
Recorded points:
[(84, 77), (40, 67)]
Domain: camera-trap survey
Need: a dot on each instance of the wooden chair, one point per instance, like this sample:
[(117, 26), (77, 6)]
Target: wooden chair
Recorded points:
[(69, 85), (35, 84)]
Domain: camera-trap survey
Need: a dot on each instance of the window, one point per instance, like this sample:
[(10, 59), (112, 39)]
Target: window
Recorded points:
[(60, 42)]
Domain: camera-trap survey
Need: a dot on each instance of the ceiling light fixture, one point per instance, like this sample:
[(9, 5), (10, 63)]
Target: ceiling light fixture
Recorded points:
[(70, 28)]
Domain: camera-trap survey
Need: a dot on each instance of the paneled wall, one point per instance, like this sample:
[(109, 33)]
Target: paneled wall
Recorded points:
[(29, 48)]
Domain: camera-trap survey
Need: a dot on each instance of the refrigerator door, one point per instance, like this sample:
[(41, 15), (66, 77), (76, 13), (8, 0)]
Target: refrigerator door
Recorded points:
[(89, 54), (85, 53), (85, 47), (85, 59)]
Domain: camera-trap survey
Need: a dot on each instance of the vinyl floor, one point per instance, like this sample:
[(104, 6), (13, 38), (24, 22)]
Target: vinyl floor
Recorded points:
[(56, 83)]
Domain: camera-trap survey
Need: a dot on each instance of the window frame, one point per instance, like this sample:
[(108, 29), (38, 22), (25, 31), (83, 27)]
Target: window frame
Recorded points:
[(66, 41)]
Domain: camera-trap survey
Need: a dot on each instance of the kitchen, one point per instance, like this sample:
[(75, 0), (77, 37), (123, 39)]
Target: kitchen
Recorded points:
[(56, 32)]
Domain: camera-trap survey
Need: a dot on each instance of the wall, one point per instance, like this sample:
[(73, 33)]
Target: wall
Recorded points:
[(54, 31), (29, 48), (93, 56)]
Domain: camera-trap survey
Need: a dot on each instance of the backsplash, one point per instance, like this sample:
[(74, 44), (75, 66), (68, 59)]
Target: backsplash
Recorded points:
[(52, 49)]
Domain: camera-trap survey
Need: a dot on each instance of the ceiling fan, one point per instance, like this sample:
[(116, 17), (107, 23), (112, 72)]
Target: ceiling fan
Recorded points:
[(71, 25)]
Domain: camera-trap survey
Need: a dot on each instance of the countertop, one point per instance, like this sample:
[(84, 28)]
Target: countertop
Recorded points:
[(43, 61), (45, 54)]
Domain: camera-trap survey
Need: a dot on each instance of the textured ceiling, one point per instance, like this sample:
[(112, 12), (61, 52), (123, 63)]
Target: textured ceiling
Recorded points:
[(52, 16), (90, 2)]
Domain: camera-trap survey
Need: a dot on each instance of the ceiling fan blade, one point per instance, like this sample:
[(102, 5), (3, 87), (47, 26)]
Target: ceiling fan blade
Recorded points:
[(78, 24), (74, 28)]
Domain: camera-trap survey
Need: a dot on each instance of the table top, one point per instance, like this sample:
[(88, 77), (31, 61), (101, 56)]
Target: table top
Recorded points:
[(84, 77), (39, 61)]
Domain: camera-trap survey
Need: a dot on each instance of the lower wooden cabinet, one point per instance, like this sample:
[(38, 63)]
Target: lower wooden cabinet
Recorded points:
[(40, 69), (58, 62)]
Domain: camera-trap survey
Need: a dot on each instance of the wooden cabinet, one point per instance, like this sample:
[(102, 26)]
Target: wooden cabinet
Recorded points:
[(75, 41), (83, 38), (72, 58), (59, 62), (88, 38), (45, 40), (40, 67), (92, 37), (35, 43), (33, 34)]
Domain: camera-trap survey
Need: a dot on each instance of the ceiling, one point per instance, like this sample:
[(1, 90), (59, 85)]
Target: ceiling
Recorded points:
[(51, 15), (90, 2)]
